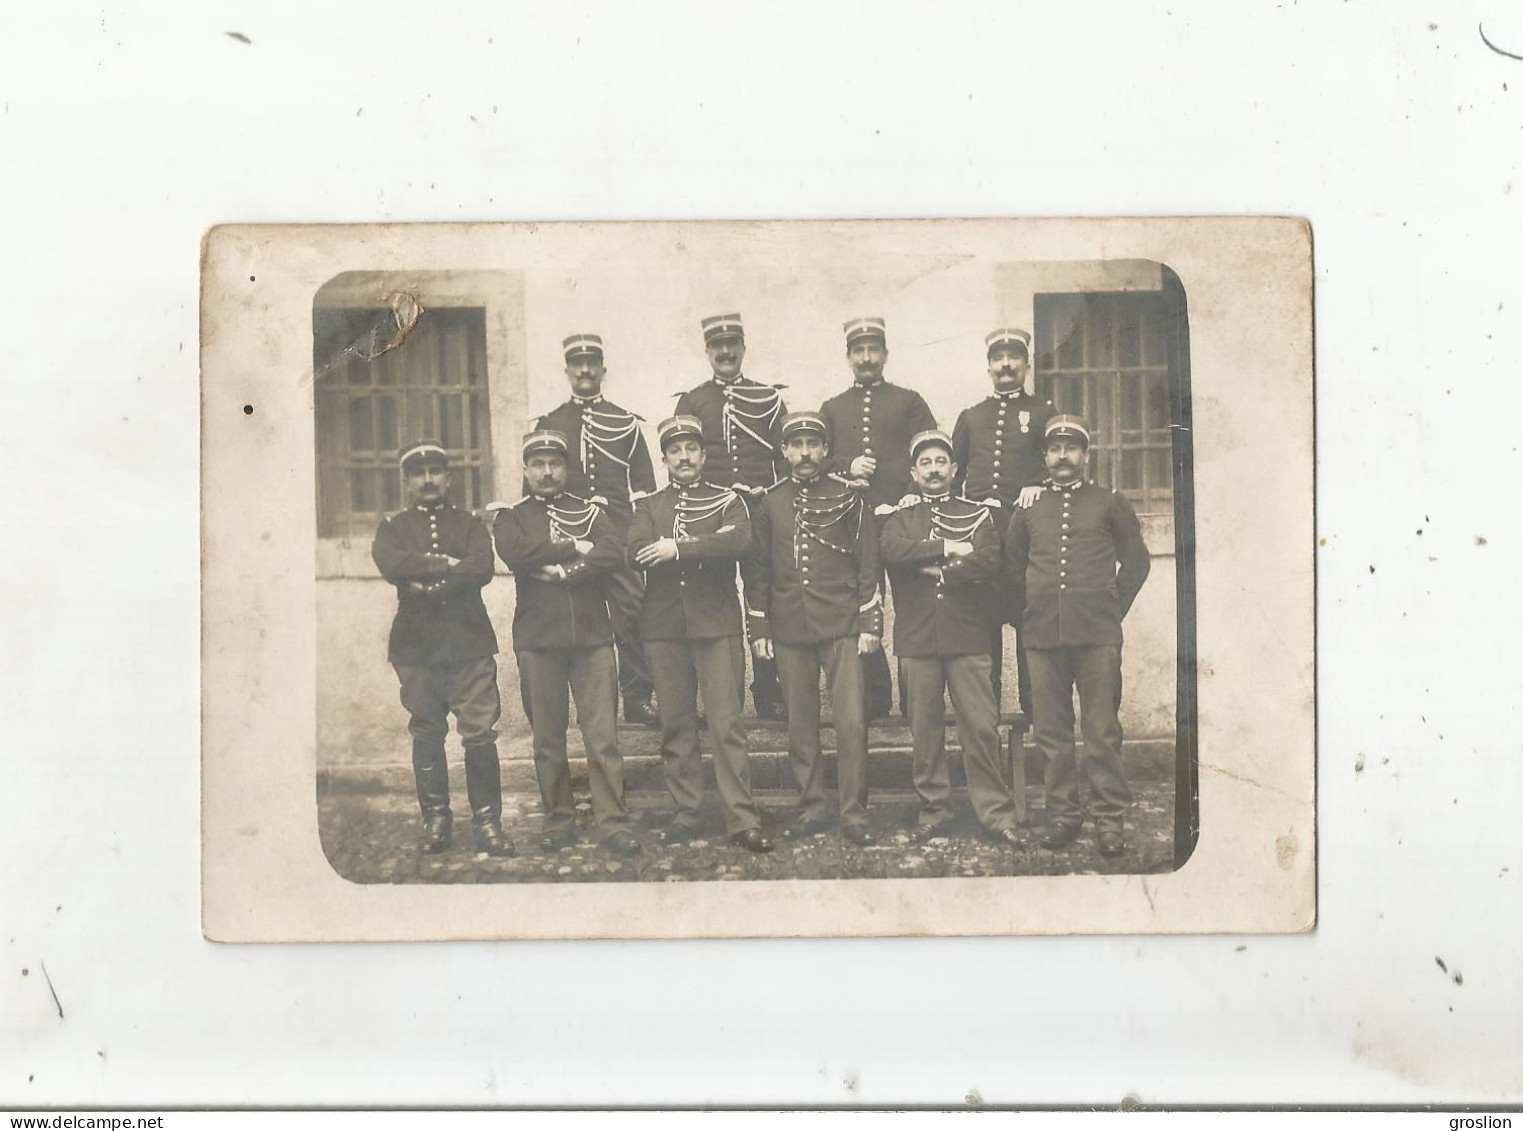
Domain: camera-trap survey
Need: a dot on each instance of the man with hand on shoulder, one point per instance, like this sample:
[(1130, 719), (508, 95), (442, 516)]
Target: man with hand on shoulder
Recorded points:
[(997, 446), (740, 419), (871, 425)]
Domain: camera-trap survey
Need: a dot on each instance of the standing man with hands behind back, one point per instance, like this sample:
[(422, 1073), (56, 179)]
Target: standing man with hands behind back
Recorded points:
[(997, 446), (870, 428), (741, 420), (609, 465)]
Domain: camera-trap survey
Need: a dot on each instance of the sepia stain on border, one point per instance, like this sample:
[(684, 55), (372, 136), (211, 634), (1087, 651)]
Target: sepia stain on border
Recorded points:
[(240, 37), (1285, 848)]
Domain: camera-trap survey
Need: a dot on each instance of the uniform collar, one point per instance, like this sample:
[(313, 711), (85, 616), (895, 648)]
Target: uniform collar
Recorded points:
[(941, 498), (699, 482), (811, 481), (1066, 488), (730, 384), (439, 506), (873, 384), (596, 398), (1011, 396)]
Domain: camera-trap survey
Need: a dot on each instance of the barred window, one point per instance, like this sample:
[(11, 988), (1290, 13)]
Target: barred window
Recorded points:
[(1103, 357), (371, 399)]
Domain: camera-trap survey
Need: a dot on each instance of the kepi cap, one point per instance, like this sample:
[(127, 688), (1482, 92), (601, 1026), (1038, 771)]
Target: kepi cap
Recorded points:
[(582, 343), (1008, 336), (802, 423), (679, 428), (545, 440), (722, 326), (866, 328), (1067, 425), (930, 437), (420, 449)]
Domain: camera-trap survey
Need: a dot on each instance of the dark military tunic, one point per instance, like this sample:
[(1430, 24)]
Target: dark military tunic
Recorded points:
[(447, 623), (877, 420), (997, 446), (608, 456), (560, 613), (740, 426), (948, 614), (817, 577), (694, 597), (1061, 565)]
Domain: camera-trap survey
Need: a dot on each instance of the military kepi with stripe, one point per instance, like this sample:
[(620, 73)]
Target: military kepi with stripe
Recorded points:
[(681, 427), (1009, 337), (579, 344), (722, 326), (865, 328), (802, 423), (545, 440), (931, 437), (1067, 426), (419, 450)]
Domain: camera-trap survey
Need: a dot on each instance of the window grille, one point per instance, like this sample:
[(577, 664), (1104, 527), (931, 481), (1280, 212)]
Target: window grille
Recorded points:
[(1103, 357), (370, 400)]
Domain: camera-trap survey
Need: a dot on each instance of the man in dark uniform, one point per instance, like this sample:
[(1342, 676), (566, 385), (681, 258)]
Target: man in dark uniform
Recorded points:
[(870, 429), (688, 539), (942, 554), (997, 446), (443, 648), (817, 605), (610, 466), (1075, 561), (740, 419), (561, 549)]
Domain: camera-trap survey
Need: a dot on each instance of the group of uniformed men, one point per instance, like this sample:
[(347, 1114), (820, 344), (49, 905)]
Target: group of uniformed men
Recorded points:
[(992, 524)]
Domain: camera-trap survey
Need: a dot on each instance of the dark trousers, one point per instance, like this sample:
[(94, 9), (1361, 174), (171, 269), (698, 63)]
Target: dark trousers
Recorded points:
[(880, 685), (589, 675), (626, 593), (715, 668), (764, 687), (431, 693), (967, 679), (1096, 673), (997, 666), (798, 670)]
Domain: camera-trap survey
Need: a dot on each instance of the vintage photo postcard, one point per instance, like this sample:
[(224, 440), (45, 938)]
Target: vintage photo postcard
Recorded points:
[(797, 578)]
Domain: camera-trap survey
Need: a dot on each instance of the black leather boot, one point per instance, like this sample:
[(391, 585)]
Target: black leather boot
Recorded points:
[(431, 773), (483, 785)]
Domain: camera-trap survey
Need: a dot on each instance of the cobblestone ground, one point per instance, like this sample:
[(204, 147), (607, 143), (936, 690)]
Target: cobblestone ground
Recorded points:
[(369, 826)]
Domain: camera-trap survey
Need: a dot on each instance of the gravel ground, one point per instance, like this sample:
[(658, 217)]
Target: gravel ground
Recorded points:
[(369, 827)]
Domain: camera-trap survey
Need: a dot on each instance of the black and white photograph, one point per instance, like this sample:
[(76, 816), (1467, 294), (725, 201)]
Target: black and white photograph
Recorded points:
[(617, 588), (765, 553)]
